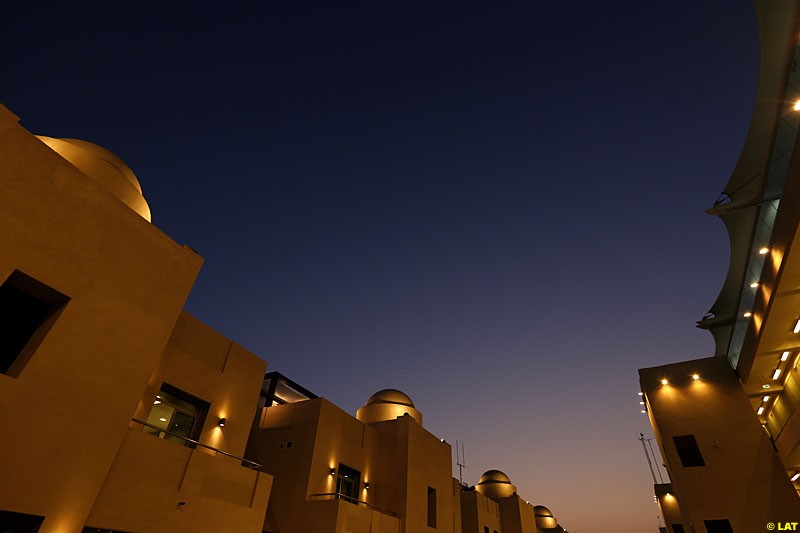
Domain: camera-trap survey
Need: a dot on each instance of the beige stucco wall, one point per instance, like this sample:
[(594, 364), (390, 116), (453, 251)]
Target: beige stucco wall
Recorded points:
[(398, 458), (478, 511), (742, 480), (71, 405)]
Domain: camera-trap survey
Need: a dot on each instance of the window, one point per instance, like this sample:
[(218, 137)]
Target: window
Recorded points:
[(718, 526), (688, 451), (485, 529), (431, 507), (348, 481), (19, 522), (677, 528), (28, 309), (176, 416)]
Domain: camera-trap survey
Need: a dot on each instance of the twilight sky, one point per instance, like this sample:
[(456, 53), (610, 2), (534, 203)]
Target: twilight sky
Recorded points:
[(497, 208)]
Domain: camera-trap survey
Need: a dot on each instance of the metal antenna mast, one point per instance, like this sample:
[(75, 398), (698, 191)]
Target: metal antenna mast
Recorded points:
[(647, 455), (653, 453), (460, 461)]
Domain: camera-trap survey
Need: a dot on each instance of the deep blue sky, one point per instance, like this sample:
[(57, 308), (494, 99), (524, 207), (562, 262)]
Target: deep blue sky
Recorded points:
[(496, 208)]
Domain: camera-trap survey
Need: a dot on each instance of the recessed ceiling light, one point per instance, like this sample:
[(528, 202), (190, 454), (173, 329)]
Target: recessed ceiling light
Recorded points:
[(644, 411), (797, 327), (794, 477), (765, 399), (163, 419), (748, 314), (754, 285), (156, 402), (765, 386), (641, 394), (763, 250), (785, 356), (641, 403), (760, 411), (776, 374)]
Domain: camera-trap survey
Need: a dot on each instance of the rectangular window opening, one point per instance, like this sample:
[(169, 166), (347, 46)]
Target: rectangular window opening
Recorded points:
[(688, 451), (20, 522), (431, 507), (348, 481), (176, 416), (718, 526), (29, 309), (677, 528)]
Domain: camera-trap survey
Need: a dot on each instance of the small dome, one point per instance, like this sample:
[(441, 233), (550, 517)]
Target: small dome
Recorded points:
[(494, 476), (390, 396), (495, 484), (105, 168), (388, 404), (544, 517)]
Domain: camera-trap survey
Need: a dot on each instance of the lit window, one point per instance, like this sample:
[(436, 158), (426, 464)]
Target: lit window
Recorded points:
[(177, 417)]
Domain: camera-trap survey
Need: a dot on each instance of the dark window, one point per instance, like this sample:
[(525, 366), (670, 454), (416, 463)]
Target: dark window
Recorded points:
[(176, 415), (28, 309), (431, 507), (11, 522), (688, 451), (718, 526), (485, 529), (677, 528), (348, 480)]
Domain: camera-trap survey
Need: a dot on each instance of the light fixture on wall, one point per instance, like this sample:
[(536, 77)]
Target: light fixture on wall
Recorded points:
[(222, 421), (333, 471), (366, 485), (795, 476), (695, 376)]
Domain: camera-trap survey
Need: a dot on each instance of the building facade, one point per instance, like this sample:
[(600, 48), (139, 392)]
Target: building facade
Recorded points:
[(129, 415), (728, 426)]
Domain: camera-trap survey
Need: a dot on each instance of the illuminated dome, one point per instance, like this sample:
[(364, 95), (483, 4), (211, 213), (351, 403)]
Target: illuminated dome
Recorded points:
[(495, 484), (105, 168), (544, 517), (390, 396), (388, 404)]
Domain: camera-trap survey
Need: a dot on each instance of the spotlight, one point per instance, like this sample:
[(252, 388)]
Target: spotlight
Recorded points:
[(695, 376), (222, 422)]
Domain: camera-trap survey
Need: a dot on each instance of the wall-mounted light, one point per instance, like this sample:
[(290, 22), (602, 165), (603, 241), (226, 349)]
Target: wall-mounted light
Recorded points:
[(641, 394), (760, 411), (795, 476), (785, 356), (366, 485), (765, 399), (748, 314), (333, 471), (695, 376), (763, 250), (754, 285), (796, 107), (644, 412), (776, 374), (665, 381), (222, 421)]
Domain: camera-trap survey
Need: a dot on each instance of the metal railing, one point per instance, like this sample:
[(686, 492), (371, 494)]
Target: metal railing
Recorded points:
[(350, 499), (246, 463)]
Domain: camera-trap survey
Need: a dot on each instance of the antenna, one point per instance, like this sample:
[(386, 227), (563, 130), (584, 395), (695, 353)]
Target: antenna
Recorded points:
[(460, 462), (653, 453), (649, 462)]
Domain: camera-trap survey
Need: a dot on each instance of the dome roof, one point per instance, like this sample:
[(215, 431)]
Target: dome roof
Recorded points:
[(544, 517), (105, 168), (495, 484), (390, 396), (494, 476)]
